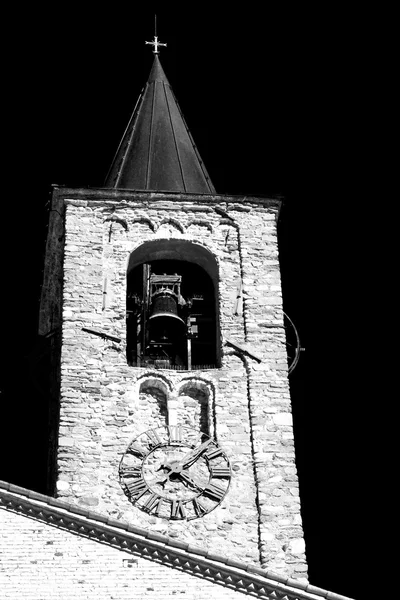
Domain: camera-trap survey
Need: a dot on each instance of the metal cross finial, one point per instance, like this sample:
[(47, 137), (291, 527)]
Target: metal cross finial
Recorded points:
[(155, 42)]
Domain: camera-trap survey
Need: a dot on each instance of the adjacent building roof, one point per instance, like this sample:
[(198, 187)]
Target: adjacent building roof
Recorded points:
[(157, 151), (245, 578)]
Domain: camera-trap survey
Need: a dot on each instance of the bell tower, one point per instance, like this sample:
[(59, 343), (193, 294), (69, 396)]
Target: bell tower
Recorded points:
[(162, 298)]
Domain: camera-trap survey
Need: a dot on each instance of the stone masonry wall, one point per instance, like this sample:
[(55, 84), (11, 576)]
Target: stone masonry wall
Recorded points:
[(105, 403)]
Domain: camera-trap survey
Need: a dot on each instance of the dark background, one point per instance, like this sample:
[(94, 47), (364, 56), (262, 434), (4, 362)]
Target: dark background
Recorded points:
[(272, 101)]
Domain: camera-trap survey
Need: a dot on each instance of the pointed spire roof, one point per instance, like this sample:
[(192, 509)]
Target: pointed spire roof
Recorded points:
[(157, 151)]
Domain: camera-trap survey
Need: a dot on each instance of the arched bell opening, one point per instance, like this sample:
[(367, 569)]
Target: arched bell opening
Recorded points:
[(172, 319)]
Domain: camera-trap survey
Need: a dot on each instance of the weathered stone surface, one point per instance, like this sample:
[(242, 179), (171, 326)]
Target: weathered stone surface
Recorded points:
[(245, 403)]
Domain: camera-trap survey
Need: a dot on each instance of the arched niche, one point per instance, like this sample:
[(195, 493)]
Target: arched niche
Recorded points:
[(153, 398), (172, 306), (195, 406)]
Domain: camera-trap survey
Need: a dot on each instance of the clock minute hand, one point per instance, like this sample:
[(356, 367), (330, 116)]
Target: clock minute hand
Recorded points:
[(191, 457)]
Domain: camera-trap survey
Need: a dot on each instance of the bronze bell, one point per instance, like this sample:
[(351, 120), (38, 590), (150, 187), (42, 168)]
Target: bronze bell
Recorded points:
[(165, 297)]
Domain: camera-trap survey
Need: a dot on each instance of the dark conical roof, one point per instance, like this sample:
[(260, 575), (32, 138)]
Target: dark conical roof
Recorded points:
[(157, 151)]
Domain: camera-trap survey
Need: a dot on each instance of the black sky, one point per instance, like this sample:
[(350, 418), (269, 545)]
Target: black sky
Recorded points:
[(271, 101)]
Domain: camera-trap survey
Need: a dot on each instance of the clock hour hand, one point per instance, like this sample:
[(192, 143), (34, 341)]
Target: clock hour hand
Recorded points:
[(164, 467)]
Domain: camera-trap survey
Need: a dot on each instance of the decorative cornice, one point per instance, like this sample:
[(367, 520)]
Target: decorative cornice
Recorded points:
[(248, 579), (101, 194)]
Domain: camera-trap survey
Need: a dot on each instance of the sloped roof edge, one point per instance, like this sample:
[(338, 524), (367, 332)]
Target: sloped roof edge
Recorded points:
[(246, 578)]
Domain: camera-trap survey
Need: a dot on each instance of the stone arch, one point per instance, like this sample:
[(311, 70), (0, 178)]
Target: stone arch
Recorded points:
[(200, 223), (156, 380), (117, 226), (170, 221), (119, 220), (146, 221), (170, 249), (194, 270)]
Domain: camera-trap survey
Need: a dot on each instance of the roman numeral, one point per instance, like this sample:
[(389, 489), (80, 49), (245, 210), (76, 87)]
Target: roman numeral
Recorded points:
[(198, 508), (153, 437), (178, 510), (153, 502), (175, 433), (213, 453), (137, 489), (136, 451), (214, 492), (220, 472), (125, 471), (201, 448)]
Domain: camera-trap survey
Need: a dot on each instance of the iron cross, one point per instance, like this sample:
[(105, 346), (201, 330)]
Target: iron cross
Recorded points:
[(156, 43)]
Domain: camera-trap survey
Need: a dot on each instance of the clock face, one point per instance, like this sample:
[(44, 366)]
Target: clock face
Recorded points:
[(175, 473)]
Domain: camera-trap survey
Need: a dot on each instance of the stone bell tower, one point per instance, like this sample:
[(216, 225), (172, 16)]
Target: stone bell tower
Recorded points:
[(171, 405)]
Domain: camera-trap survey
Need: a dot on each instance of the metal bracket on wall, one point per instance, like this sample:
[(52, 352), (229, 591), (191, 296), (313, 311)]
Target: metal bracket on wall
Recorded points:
[(243, 348), (101, 334)]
